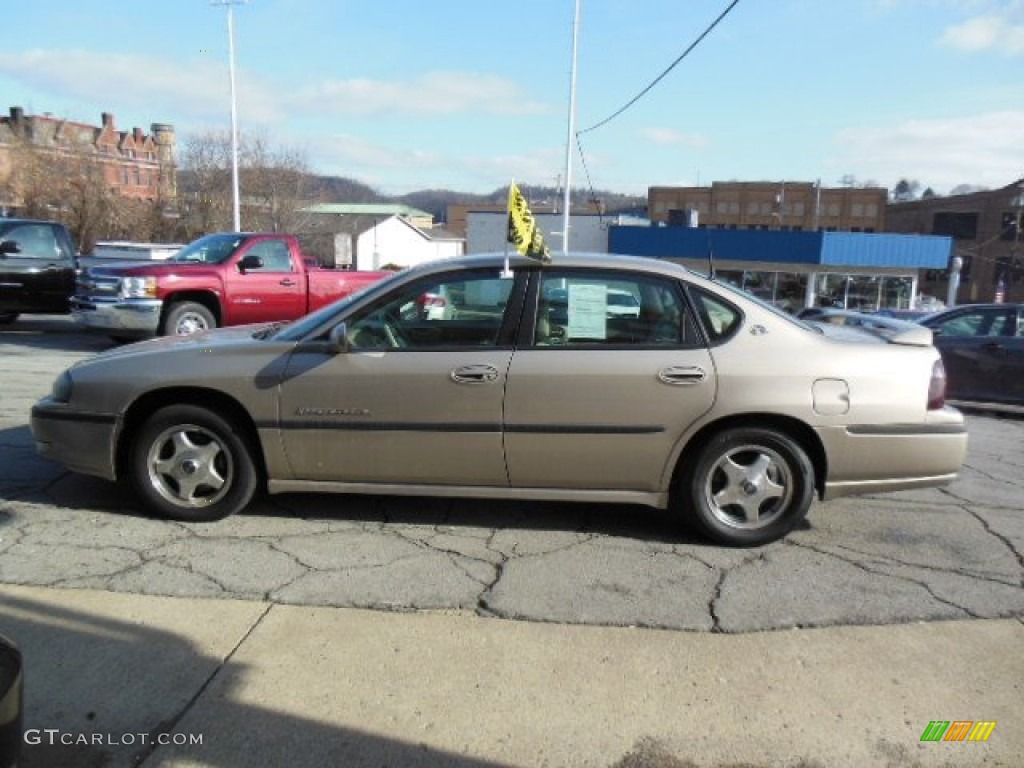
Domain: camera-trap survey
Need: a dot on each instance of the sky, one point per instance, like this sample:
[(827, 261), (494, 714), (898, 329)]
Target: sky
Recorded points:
[(469, 95)]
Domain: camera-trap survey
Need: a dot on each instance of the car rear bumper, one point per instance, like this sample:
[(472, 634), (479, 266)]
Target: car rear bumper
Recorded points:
[(894, 457), (132, 316), (83, 442)]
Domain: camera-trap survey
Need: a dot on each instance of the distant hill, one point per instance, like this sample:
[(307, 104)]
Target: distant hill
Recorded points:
[(338, 189)]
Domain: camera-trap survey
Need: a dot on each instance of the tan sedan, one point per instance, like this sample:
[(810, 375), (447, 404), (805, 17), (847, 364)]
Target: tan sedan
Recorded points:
[(523, 385)]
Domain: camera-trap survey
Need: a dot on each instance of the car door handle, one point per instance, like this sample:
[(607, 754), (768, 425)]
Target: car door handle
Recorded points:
[(288, 282), (682, 375), (475, 374)]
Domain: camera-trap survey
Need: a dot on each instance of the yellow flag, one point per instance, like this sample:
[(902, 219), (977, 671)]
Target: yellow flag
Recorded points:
[(523, 231)]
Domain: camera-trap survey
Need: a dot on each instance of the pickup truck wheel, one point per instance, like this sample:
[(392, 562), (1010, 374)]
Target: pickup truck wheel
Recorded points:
[(8, 317), (185, 318), (187, 463), (748, 486)]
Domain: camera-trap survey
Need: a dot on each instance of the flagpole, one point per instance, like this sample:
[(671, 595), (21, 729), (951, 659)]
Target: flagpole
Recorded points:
[(506, 273), (567, 202)]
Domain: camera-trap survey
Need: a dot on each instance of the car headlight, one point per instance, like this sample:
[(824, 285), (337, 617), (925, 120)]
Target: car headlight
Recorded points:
[(138, 287), (61, 391)]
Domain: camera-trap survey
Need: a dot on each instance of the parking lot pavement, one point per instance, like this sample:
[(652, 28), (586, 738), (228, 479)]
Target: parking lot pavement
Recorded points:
[(120, 680), (952, 553), (295, 560)]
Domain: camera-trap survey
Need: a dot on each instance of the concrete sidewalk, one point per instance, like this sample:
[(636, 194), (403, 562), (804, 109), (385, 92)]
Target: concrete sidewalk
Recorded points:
[(277, 685)]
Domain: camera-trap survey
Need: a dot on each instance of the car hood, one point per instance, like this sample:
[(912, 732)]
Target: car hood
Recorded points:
[(150, 269), (212, 339)]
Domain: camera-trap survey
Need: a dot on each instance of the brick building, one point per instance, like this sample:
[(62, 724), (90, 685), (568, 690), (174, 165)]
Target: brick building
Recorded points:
[(771, 205), (134, 164), (985, 227)]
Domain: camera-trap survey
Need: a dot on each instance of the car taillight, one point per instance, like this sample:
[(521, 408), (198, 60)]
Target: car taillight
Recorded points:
[(937, 387)]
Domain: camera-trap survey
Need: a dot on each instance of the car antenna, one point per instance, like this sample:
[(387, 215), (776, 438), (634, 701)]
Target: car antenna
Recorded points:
[(711, 257)]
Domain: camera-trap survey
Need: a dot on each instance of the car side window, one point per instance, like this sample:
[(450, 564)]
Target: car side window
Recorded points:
[(275, 255), (588, 308), (980, 323), (435, 314), (719, 318), (32, 241)]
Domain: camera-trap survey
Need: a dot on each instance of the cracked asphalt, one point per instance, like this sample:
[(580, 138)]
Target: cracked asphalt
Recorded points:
[(952, 553)]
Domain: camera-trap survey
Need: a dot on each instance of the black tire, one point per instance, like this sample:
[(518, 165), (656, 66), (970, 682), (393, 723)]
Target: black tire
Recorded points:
[(186, 317), (6, 318), (188, 463), (748, 487)]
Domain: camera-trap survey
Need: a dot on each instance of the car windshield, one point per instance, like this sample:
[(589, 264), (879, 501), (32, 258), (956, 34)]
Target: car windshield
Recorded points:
[(212, 249), (305, 325)]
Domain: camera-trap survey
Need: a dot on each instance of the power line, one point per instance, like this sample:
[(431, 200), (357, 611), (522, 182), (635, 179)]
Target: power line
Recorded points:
[(672, 66)]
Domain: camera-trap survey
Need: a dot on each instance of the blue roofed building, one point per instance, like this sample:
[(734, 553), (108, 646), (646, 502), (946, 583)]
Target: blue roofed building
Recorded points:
[(793, 269)]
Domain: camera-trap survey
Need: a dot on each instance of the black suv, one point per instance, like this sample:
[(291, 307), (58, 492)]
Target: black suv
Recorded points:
[(37, 268)]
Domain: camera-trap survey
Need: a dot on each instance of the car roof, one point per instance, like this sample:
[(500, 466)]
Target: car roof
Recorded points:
[(5, 220), (611, 261)]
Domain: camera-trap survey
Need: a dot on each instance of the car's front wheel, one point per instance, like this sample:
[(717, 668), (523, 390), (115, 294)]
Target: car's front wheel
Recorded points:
[(748, 486), (188, 463), (187, 317)]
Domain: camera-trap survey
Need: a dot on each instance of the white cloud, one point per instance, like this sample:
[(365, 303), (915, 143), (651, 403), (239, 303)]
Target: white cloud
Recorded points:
[(433, 93), (984, 33), (198, 89), (396, 169), (998, 25), (670, 137), (941, 153)]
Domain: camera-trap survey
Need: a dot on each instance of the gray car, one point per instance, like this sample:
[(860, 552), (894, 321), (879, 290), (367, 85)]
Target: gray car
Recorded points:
[(708, 403)]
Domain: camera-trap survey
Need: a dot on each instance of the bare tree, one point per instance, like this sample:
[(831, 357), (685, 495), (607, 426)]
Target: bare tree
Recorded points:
[(274, 183), (905, 190), (66, 183)]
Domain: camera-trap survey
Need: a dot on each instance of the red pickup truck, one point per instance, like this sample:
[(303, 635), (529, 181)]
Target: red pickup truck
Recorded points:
[(221, 279)]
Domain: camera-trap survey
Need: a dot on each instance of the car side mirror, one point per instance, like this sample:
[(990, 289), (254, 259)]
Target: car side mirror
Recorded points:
[(250, 261), (337, 339)]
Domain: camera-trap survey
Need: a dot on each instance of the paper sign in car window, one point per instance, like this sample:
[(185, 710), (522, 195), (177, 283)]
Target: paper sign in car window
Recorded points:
[(588, 310)]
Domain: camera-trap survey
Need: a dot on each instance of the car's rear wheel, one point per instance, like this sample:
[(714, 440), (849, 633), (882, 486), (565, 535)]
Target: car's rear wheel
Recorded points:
[(748, 486), (189, 464), (187, 317)]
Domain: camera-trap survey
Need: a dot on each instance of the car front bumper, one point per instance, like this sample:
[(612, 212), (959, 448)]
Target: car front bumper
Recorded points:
[(83, 442), (130, 316)]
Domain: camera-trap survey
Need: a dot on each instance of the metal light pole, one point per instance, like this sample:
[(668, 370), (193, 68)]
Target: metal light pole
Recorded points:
[(567, 205), (236, 207)]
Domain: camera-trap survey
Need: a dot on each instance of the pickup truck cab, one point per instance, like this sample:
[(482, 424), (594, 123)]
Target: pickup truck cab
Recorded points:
[(228, 278), (37, 268)]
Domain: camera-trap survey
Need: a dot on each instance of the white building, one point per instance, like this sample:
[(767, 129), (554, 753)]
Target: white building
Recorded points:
[(487, 231), (371, 237), (394, 242)]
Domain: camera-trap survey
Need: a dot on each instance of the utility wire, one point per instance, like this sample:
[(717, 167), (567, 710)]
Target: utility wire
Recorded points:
[(658, 79)]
